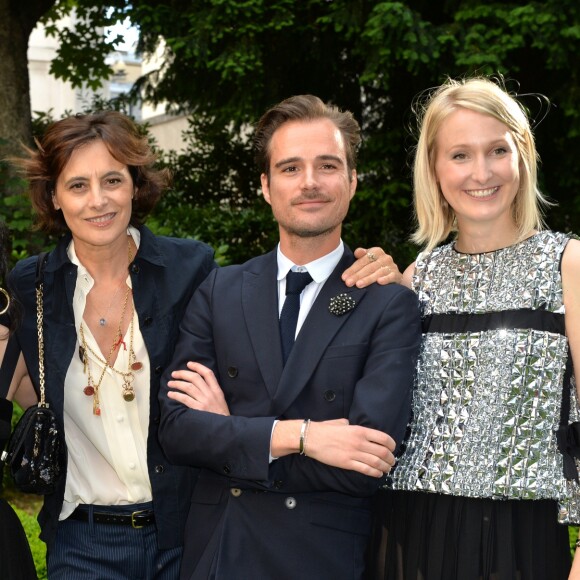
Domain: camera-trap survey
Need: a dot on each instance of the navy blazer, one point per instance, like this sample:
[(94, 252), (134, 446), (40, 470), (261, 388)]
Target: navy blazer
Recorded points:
[(252, 518), (164, 274)]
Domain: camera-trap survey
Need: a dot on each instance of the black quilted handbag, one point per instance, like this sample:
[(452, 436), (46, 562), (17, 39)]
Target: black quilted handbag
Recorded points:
[(36, 453)]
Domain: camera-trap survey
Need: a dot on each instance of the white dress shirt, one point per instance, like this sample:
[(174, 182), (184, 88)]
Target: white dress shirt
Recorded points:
[(320, 270)]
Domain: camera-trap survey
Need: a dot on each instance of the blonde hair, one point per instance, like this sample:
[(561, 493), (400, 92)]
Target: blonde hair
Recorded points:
[(435, 218)]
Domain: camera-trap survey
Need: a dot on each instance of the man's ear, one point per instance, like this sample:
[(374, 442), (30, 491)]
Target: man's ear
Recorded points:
[(265, 187), (353, 183)]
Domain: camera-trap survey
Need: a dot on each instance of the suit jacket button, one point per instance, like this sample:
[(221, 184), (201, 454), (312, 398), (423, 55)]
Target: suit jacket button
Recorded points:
[(290, 503), (159, 469), (227, 468), (236, 491), (232, 372), (329, 396), (135, 268)]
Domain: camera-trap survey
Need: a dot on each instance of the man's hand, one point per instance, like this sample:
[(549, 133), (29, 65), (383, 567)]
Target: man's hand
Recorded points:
[(197, 388), (361, 449), (372, 265), (338, 444)]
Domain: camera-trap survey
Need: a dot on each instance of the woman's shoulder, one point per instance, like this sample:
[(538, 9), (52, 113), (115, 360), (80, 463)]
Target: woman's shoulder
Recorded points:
[(554, 244), (571, 257), (173, 248), (22, 280), (24, 273), (407, 279), (183, 244), (544, 236), (437, 253)]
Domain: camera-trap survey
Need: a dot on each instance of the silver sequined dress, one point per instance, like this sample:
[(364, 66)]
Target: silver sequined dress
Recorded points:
[(490, 375)]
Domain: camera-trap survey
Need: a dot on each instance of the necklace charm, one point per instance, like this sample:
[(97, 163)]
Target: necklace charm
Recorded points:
[(128, 390), (96, 406), (89, 390), (136, 366), (103, 318)]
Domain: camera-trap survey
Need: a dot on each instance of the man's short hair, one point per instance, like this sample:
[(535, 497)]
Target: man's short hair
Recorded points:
[(304, 108)]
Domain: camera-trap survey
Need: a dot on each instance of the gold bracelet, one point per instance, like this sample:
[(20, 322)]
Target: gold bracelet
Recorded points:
[(303, 433)]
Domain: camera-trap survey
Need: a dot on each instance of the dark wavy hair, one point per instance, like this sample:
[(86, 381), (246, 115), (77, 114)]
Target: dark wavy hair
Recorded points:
[(125, 143)]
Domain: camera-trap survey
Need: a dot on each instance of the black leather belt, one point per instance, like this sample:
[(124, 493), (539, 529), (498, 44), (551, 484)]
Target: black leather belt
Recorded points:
[(138, 519)]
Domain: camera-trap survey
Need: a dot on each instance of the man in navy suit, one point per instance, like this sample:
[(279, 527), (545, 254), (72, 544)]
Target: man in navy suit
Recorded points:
[(290, 453)]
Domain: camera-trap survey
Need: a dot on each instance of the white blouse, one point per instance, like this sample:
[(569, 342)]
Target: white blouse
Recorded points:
[(107, 453)]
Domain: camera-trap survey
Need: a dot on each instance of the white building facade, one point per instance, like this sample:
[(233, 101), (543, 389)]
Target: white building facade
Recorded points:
[(58, 98)]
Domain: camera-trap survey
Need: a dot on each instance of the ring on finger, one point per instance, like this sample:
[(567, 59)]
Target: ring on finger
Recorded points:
[(371, 256)]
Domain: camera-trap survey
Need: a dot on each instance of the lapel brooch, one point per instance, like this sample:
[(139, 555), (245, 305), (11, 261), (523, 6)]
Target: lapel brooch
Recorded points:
[(341, 304)]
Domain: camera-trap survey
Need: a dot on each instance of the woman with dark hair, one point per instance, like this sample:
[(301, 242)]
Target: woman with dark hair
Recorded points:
[(113, 297), (15, 558)]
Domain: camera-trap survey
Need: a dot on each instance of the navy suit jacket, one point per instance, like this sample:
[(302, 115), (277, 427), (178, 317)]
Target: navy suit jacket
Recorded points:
[(294, 517)]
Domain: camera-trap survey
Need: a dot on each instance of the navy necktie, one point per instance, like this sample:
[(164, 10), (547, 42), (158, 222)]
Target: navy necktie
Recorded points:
[(295, 283)]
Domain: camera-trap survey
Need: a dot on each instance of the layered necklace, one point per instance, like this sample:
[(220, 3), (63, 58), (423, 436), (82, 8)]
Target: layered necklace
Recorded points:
[(92, 387)]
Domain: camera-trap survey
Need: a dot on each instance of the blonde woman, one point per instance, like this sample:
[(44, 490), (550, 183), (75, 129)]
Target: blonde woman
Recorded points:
[(486, 479)]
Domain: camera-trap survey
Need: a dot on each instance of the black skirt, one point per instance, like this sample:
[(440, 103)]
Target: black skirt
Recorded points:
[(427, 536)]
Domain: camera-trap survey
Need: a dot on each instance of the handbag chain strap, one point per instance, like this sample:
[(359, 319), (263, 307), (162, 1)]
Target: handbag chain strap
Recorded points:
[(39, 326)]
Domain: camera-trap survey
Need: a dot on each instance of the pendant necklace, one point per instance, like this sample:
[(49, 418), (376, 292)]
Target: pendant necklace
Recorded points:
[(103, 319)]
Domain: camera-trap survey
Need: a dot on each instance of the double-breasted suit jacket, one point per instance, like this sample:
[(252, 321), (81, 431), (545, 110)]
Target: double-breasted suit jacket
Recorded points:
[(292, 517)]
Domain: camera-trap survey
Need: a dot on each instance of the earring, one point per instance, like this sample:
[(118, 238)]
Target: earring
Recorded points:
[(7, 298)]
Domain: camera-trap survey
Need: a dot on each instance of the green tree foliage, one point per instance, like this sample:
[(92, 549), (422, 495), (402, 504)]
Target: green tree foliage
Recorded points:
[(226, 61)]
